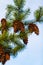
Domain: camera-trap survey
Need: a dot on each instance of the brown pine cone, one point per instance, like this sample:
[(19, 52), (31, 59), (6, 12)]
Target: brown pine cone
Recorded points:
[(4, 61), (17, 25), (25, 40), (4, 24), (2, 57), (33, 28), (2, 54)]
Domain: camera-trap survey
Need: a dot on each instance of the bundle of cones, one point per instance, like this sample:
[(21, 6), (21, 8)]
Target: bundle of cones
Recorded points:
[(19, 26), (4, 56)]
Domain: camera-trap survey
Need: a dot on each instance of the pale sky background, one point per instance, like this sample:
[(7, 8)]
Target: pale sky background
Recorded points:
[(33, 53)]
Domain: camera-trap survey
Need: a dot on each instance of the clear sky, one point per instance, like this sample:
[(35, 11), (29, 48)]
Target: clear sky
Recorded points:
[(33, 53)]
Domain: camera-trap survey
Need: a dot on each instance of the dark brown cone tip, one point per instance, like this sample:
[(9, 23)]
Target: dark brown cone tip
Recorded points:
[(25, 40)]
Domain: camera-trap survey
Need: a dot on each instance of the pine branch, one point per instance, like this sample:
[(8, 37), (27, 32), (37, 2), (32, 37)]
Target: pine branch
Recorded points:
[(10, 8), (19, 47), (19, 3), (17, 12), (15, 40), (23, 15), (38, 13), (27, 12)]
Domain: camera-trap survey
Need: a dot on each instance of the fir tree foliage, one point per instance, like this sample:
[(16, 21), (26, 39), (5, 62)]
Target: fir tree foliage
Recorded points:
[(17, 13), (38, 13), (17, 10)]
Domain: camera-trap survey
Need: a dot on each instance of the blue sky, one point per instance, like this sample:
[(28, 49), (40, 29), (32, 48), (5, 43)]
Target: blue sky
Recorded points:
[(33, 53)]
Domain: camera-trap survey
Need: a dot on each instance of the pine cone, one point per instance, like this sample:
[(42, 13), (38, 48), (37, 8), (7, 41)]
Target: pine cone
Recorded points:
[(25, 40), (17, 25), (2, 54), (33, 28), (4, 24)]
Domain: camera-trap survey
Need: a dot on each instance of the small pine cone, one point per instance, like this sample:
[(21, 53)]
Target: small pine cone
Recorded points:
[(25, 40), (17, 25), (33, 28), (2, 54), (4, 61), (2, 57), (4, 24)]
